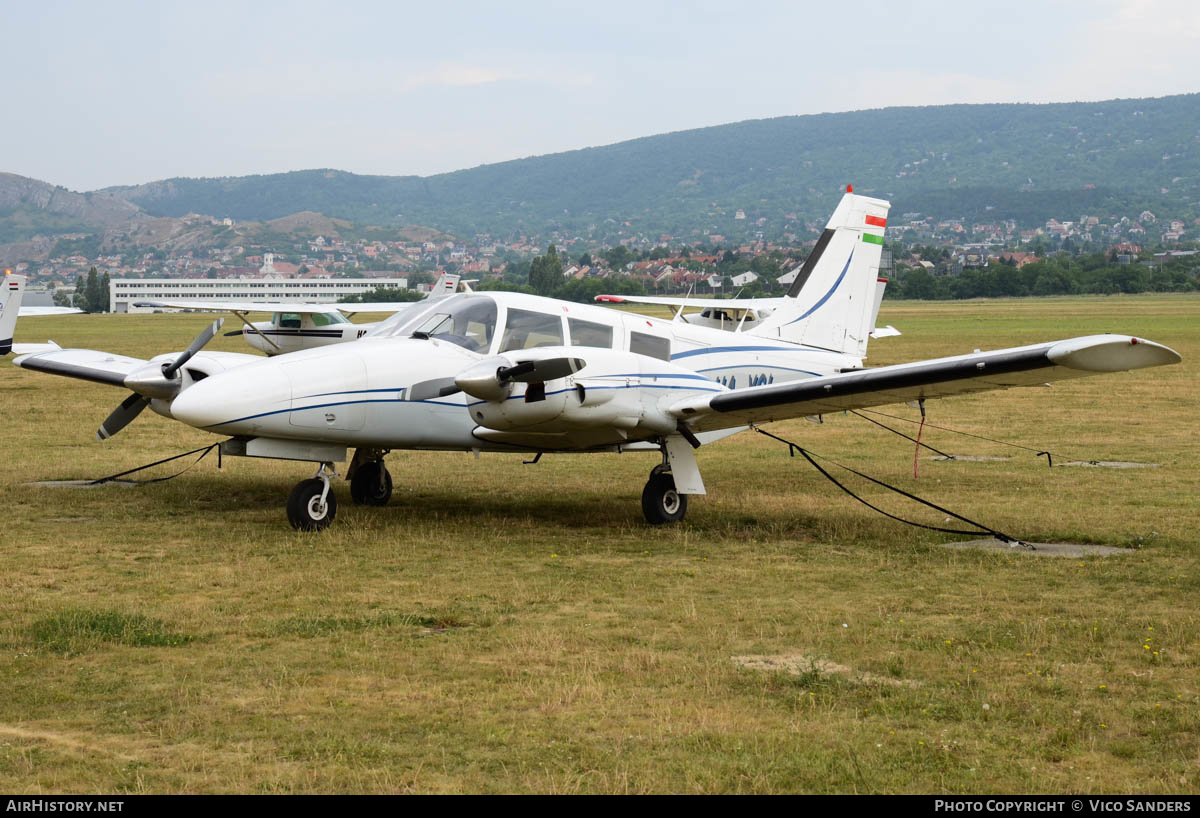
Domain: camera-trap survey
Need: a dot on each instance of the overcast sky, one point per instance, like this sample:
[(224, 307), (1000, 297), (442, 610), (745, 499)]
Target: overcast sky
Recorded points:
[(107, 93)]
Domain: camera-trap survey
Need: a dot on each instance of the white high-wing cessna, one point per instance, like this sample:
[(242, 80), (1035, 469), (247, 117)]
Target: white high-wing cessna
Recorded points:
[(742, 314), (508, 372), (295, 326)]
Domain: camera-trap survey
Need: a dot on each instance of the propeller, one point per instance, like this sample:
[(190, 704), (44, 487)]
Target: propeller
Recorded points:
[(151, 382), (195, 346), (121, 417), (487, 381)]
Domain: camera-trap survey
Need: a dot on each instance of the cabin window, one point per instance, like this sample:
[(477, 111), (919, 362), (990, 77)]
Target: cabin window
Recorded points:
[(650, 345), (526, 329), (325, 319), (590, 334), (287, 320)]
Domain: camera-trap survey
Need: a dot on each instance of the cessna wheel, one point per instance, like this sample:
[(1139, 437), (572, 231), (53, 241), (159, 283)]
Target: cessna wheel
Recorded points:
[(661, 503), (371, 484), (305, 510)]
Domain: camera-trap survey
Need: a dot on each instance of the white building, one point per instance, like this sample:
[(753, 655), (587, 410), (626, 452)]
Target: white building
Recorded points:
[(123, 292)]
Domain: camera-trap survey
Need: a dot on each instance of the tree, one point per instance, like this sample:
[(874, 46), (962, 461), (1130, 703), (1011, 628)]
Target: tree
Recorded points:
[(91, 293), (79, 299), (546, 272), (105, 294)]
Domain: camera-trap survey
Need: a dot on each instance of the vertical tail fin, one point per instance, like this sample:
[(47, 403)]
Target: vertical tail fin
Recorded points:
[(10, 307), (446, 284), (832, 303)]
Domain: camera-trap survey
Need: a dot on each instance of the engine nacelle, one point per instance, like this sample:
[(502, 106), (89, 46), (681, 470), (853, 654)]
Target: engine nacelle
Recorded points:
[(613, 389)]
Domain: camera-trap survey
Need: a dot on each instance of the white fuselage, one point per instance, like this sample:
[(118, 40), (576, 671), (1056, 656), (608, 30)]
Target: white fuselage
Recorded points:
[(392, 390)]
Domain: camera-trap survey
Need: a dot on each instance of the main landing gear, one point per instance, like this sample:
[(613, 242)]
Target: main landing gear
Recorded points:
[(661, 502), (370, 483), (312, 504)]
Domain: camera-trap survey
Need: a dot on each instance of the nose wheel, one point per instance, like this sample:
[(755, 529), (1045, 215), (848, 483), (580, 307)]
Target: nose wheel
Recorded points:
[(312, 504), (661, 502), (371, 484)]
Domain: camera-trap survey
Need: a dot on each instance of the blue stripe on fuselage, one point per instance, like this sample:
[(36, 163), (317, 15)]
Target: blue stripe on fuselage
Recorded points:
[(825, 297)]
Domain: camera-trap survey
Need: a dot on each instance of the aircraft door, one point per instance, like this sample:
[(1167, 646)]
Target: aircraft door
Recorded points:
[(323, 393)]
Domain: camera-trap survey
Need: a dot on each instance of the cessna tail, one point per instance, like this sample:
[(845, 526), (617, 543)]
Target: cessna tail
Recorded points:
[(833, 301), (10, 308)]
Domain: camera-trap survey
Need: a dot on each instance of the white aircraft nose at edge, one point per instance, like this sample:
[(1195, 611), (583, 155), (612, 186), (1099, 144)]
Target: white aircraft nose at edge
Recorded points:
[(509, 372)]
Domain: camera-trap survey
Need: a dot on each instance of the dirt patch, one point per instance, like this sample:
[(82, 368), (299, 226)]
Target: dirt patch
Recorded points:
[(1041, 549), (799, 664), (1111, 464), (81, 484)]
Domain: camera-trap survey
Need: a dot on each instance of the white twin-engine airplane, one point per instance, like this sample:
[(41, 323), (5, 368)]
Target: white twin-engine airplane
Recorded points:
[(295, 326), (507, 372)]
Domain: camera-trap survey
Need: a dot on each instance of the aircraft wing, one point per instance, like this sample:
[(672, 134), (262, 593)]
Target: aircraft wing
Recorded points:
[(727, 303), (24, 312), (84, 364), (241, 306), (938, 378), (378, 306)]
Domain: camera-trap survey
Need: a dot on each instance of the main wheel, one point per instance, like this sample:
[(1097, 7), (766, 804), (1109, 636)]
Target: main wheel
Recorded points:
[(661, 503), (304, 508), (371, 484)]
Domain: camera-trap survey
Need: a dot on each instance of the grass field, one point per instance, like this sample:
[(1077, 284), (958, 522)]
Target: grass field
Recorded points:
[(501, 627)]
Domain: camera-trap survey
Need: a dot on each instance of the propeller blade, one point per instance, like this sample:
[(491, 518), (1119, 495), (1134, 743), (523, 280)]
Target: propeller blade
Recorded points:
[(129, 408), (548, 369), (195, 346)]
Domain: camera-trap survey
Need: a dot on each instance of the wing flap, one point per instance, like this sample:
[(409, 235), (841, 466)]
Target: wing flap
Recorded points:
[(939, 378)]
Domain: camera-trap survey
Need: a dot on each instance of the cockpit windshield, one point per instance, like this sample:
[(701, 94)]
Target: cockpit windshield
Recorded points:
[(466, 320), (400, 323)]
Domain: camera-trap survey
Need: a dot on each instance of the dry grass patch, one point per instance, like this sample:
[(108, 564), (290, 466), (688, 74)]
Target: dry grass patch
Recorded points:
[(807, 667)]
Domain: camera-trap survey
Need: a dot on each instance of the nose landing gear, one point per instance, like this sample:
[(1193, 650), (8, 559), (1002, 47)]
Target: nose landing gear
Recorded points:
[(312, 505)]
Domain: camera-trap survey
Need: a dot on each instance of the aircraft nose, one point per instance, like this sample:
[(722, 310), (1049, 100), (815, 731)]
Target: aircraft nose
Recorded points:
[(239, 401)]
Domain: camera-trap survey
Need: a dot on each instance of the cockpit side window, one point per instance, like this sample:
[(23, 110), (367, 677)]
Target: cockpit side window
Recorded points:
[(325, 319), (526, 329), (288, 320), (468, 322), (590, 334), (650, 345)]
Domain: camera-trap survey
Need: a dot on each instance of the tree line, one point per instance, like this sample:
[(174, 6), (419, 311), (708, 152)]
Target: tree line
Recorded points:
[(1056, 275)]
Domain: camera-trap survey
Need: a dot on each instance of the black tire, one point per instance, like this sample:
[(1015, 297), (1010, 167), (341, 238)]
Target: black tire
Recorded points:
[(303, 507), (371, 484), (661, 503)]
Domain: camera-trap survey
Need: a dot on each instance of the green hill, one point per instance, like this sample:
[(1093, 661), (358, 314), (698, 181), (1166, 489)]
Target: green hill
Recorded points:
[(1027, 162)]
